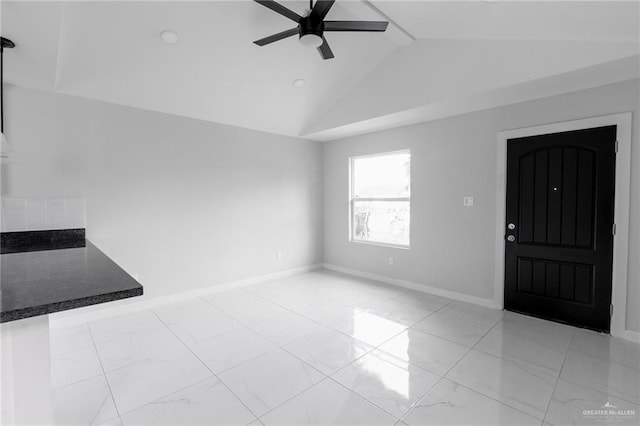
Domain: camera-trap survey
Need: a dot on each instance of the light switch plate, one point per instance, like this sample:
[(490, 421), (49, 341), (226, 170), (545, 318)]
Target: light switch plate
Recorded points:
[(468, 201)]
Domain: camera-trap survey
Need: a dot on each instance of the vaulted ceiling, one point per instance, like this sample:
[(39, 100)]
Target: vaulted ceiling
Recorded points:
[(434, 55)]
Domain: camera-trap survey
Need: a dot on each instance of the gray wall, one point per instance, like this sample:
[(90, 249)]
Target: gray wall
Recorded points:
[(183, 203), (452, 247), (188, 204)]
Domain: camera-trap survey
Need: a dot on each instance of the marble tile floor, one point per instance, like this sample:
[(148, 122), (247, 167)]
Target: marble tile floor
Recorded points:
[(324, 348)]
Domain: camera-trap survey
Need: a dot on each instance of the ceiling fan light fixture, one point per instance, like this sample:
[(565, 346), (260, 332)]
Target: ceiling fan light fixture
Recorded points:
[(311, 40), (312, 26)]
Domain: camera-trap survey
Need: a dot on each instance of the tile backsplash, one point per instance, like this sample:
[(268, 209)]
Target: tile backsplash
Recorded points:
[(41, 213)]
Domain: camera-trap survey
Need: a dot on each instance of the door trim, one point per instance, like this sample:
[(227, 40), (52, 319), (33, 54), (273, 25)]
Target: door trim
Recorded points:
[(621, 214)]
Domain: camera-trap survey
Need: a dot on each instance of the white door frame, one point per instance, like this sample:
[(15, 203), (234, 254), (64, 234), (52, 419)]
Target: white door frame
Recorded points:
[(621, 216)]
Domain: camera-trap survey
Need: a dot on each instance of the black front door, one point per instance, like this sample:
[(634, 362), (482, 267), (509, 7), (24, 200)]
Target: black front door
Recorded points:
[(559, 229)]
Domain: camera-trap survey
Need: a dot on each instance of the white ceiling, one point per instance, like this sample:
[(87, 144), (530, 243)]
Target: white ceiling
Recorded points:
[(516, 20), (110, 51)]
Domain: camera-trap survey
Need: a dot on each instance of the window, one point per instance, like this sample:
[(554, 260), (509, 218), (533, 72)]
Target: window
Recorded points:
[(380, 198)]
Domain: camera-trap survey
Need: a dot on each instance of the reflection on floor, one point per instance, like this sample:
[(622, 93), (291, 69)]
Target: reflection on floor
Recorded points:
[(324, 348)]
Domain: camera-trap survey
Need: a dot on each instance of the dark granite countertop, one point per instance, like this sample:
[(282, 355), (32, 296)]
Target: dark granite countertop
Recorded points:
[(42, 282)]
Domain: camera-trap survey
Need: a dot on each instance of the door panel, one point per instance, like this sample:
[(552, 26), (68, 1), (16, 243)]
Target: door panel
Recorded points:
[(560, 193)]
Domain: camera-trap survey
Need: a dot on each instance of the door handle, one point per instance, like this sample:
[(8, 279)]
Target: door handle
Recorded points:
[(511, 238)]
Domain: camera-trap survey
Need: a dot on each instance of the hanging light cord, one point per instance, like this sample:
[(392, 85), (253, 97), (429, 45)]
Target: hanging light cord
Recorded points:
[(1, 89), (5, 43)]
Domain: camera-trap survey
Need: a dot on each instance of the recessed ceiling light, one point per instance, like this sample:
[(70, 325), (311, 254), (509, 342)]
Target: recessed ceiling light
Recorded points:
[(169, 36), (298, 83)]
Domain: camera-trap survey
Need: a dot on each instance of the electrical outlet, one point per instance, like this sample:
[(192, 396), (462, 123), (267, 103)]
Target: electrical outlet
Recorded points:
[(467, 201), (391, 261), (278, 254)]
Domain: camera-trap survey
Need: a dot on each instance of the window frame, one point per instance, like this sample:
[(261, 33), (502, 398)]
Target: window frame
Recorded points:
[(352, 200)]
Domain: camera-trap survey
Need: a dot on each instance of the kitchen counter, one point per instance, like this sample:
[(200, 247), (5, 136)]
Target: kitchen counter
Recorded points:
[(34, 284), (42, 282)]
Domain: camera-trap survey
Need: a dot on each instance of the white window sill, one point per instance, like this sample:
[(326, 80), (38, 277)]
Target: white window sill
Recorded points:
[(375, 243)]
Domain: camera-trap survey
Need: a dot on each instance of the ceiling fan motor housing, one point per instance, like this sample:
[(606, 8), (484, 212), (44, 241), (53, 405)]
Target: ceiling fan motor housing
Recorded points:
[(308, 26)]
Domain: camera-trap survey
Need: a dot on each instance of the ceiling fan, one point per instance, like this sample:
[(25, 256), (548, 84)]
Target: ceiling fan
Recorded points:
[(312, 26)]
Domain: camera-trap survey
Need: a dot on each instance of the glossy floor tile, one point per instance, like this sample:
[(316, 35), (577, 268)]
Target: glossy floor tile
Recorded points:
[(286, 327), (70, 338), (183, 311), (116, 421), (125, 325), (328, 403), (553, 335), (134, 348), (424, 350), (522, 348), (369, 328), (572, 404), (388, 382), (270, 380), (526, 389), (196, 328), (397, 311), (606, 348), (194, 322), (329, 313), (74, 366), (287, 296), (244, 306), (209, 402), (471, 312), (460, 330), (229, 350), (596, 373), (449, 403), (138, 384), (419, 299), (88, 402), (328, 351), (325, 348)]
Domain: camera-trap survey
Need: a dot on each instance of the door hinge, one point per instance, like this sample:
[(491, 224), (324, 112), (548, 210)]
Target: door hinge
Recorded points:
[(617, 147), (613, 229), (610, 310)]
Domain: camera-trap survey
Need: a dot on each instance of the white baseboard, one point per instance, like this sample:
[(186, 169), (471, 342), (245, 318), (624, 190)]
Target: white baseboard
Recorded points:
[(630, 335), (489, 303), (127, 306)]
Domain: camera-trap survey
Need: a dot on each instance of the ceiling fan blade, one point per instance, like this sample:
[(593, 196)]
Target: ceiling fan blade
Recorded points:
[(276, 37), (320, 9), (355, 25), (325, 50), (278, 8)]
